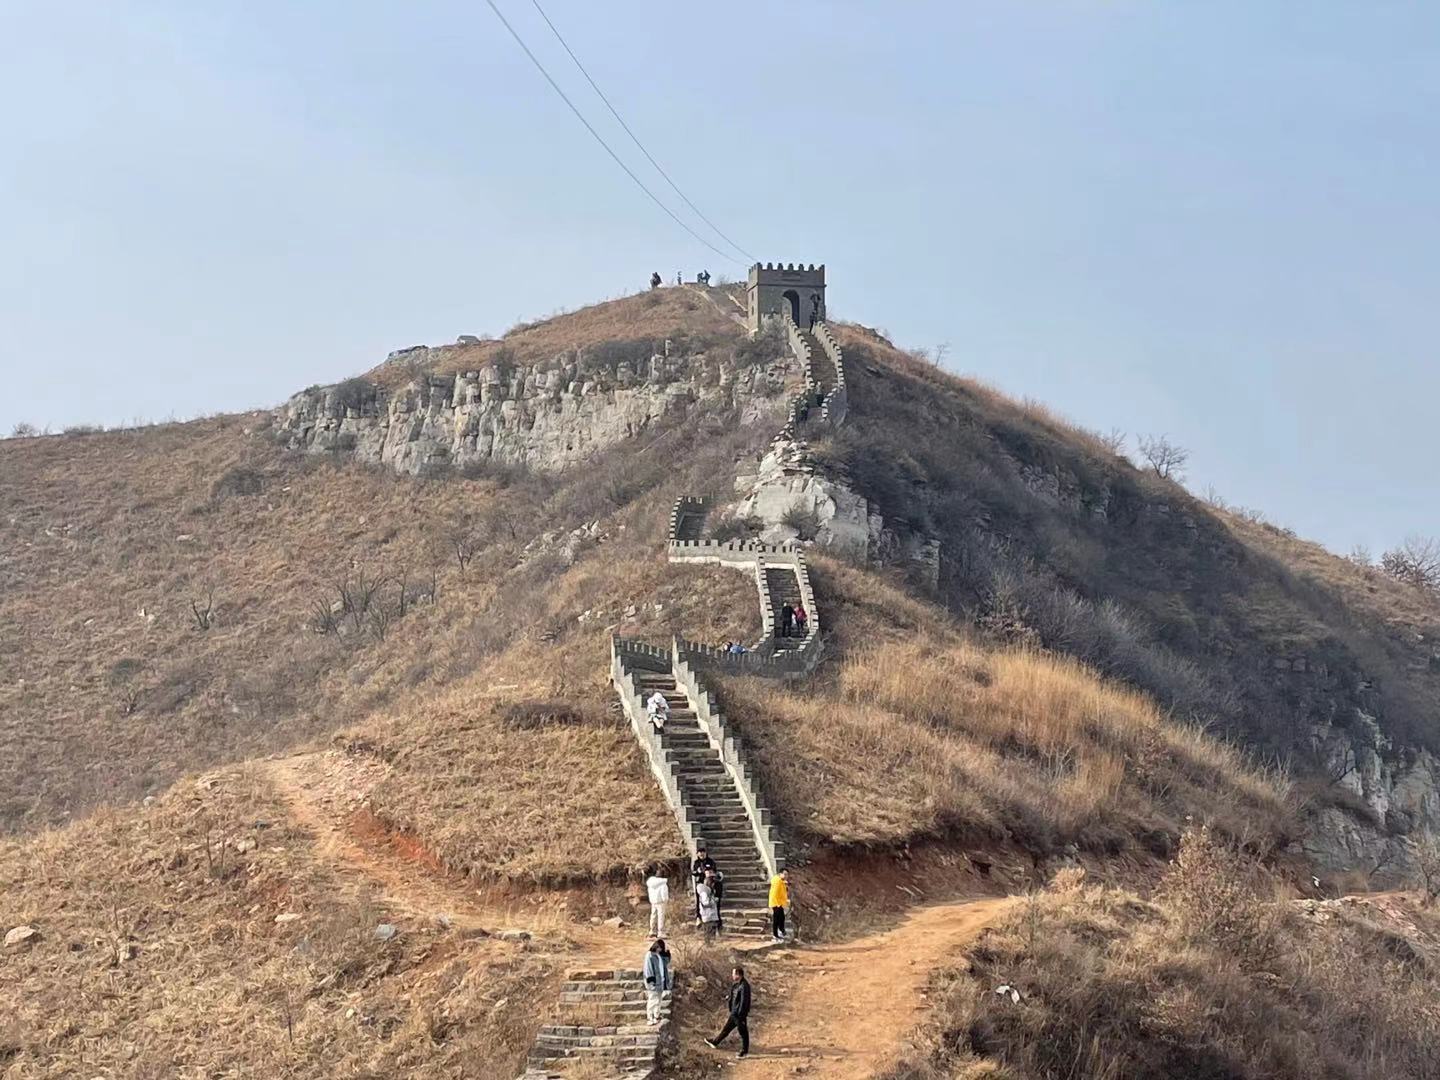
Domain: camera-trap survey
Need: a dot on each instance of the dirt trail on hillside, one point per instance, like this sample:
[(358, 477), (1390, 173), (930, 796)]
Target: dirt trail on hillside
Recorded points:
[(844, 1010), (328, 796)]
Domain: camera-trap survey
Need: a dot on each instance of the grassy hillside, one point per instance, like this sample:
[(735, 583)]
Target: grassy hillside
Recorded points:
[(1212, 976), (1051, 538)]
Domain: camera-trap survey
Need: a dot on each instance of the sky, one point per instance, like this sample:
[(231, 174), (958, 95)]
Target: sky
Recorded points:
[(1215, 221)]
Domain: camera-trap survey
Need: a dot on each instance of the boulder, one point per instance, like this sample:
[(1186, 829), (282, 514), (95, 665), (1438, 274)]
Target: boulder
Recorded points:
[(21, 937)]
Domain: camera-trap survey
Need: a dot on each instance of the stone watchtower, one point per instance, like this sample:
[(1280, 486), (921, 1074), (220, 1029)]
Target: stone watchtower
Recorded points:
[(776, 288)]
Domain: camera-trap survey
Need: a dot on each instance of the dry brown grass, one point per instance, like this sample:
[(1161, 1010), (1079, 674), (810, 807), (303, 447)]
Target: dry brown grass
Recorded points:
[(922, 731), (1213, 978), (654, 315), (160, 956)]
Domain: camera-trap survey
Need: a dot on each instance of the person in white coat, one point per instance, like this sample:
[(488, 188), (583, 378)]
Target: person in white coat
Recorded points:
[(658, 889), (659, 710)]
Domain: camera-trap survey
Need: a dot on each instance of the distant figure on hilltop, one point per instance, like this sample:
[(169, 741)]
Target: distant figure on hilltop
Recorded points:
[(655, 280), (679, 278), (814, 312), (703, 277)]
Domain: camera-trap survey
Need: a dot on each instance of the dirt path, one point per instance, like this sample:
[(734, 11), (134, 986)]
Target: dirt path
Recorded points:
[(844, 1010), (328, 796)]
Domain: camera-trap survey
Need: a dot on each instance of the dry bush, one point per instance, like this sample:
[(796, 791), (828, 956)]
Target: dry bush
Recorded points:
[(1116, 987), (1415, 563)]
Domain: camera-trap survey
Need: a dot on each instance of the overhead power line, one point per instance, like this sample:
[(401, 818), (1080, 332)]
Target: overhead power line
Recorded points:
[(588, 127), (635, 138)]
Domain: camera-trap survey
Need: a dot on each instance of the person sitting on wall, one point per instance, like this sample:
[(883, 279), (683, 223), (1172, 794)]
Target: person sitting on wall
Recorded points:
[(736, 649), (703, 278), (659, 710)]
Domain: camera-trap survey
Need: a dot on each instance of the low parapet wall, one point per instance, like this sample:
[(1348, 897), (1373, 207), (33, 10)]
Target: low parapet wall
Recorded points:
[(732, 753), (837, 400), (626, 658)]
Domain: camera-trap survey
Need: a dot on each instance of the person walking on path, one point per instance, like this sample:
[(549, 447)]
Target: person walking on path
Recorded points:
[(657, 888), (787, 617), (709, 909), (658, 980), (779, 901), (801, 618), (739, 1014)]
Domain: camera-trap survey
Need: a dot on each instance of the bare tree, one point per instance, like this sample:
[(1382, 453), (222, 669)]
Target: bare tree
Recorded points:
[(204, 614), (463, 543), (1415, 562), (1167, 459), (1360, 556), (1426, 853), (23, 430), (937, 357), (1113, 440)]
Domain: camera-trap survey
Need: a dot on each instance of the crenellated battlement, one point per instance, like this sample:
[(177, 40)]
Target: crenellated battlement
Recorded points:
[(774, 289)]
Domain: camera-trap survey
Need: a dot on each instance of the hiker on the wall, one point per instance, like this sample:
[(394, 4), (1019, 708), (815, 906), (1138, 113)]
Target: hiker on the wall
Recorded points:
[(787, 619), (698, 869), (802, 617), (739, 1002), (708, 907), (779, 901), (658, 709), (657, 888), (658, 980)]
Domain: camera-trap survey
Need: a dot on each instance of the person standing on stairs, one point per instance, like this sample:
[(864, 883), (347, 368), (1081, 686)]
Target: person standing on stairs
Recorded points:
[(658, 980), (779, 901), (814, 312), (657, 887), (787, 617), (659, 710), (801, 618), (698, 869), (709, 908), (655, 280), (739, 1014)]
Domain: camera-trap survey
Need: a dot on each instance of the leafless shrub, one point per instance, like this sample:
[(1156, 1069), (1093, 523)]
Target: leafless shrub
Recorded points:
[(1113, 440), (23, 430), (1163, 456), (1360, 555), (1415, 562), (204, 611), (1214, 892), (1425, 850)]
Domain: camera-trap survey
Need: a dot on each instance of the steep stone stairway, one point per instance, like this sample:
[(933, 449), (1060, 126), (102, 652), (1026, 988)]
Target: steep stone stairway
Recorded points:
[(690, 519), (709, 794), (822, 369), (601, 1028), (783, 587)]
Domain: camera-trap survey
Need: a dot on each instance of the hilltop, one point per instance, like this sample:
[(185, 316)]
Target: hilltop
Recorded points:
[(399, 593)]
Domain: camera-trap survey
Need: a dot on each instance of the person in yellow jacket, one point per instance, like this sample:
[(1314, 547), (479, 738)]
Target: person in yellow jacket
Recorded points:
[(779, 901)]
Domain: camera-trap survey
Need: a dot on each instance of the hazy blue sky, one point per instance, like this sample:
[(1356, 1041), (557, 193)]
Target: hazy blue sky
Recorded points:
[(1215, 220)]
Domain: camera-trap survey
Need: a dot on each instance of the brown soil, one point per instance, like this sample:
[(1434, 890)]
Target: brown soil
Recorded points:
[(844, 1010)]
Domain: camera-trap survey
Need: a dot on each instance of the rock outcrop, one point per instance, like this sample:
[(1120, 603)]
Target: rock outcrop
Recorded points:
[(544, 416)]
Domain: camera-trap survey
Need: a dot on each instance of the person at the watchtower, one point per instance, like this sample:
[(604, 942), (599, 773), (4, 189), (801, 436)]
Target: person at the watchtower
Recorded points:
[(659, 710), (787, 619), (658, 980), (703, 277), (739, 1002), (657, 888), (655, 280), (779, 901), (814, 311), (802, 617)]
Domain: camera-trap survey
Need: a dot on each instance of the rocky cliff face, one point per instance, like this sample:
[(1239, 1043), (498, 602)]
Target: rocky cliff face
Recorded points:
[(545, 415)]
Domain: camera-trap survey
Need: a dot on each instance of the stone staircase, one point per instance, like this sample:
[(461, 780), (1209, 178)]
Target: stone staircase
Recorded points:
[(600, 1027), (782, 586), (715, 811), (822, 372)]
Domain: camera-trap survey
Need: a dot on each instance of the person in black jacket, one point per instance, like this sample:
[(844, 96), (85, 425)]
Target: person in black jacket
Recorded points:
[(739, 1014)]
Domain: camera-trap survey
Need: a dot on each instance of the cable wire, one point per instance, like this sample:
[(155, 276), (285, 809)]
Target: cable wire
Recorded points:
[(635, 138), (588, 127)]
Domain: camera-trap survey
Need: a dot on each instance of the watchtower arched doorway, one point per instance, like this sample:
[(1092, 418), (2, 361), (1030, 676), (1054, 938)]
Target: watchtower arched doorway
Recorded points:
[(792, 298)]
